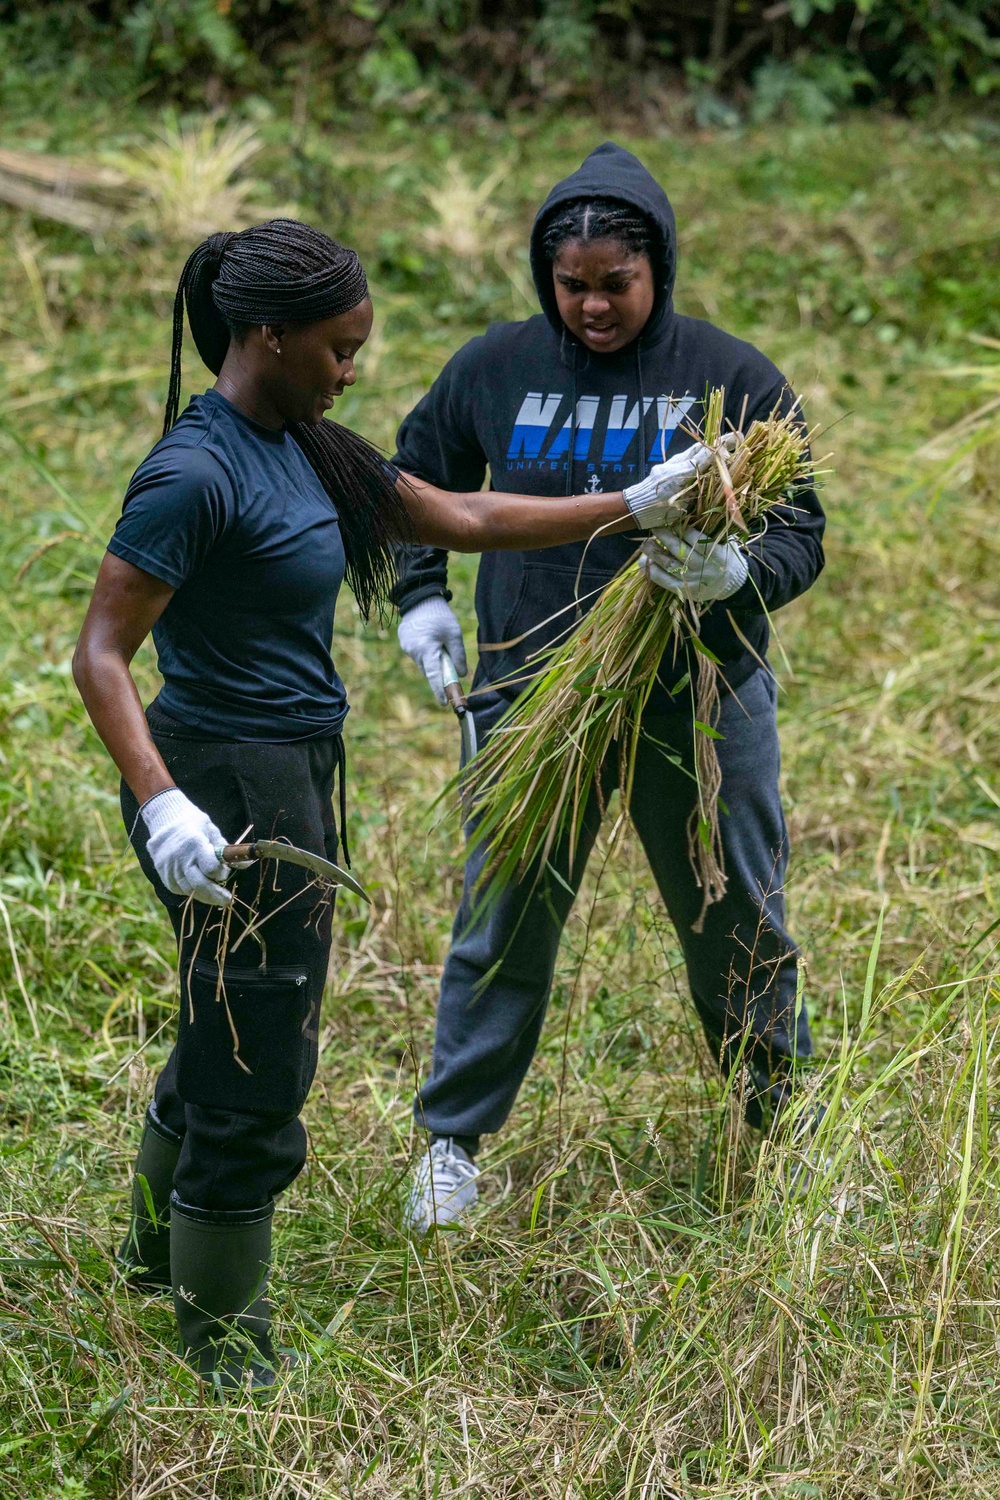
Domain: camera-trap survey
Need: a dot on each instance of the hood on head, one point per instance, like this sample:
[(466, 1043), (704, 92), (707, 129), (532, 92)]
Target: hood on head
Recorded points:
[(612, 172)]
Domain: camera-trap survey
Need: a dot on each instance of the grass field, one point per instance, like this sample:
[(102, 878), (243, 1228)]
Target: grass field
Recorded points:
[(654, 1304)]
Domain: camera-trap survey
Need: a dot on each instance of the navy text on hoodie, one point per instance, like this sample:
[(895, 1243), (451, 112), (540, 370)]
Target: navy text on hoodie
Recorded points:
[(547, 416)]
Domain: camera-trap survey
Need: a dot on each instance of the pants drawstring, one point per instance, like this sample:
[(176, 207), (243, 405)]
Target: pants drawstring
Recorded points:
[(342, 780)]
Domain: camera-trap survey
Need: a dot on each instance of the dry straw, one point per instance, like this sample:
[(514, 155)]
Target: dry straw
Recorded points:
[(529, 787)]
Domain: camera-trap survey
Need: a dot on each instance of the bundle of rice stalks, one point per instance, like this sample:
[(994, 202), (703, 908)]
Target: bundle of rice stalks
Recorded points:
[(528, 788)]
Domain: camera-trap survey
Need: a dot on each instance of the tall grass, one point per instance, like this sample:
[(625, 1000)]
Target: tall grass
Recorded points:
[(654, 1303)]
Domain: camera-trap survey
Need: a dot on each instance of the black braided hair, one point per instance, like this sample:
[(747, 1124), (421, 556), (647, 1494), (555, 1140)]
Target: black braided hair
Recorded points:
[(286, 272), (598, 219)]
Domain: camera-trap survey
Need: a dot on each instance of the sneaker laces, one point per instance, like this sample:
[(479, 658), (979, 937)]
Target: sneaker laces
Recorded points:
[(450, 1168)]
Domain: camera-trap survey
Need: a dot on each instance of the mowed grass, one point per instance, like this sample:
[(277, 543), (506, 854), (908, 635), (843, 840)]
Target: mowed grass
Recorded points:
[(654, 1304)]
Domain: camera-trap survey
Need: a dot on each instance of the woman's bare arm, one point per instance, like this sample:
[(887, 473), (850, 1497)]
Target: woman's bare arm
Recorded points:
[(486, 522), (125, 606)]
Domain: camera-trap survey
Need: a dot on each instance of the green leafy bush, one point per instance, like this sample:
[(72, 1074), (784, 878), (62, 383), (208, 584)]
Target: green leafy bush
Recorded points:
[(170, 36), (807, 58), (813, 87)]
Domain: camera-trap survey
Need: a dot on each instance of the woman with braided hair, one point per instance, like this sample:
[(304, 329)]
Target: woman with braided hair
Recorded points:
[(236, 533)]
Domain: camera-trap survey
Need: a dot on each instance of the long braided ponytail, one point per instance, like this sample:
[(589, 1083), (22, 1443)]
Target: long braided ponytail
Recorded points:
[(286, 272)]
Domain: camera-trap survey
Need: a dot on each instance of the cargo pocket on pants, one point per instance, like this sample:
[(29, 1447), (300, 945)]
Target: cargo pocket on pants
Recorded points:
[(241, 1040)]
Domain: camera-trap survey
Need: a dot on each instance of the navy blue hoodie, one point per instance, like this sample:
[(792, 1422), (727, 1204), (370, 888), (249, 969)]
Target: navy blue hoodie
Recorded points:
[(549, 417)]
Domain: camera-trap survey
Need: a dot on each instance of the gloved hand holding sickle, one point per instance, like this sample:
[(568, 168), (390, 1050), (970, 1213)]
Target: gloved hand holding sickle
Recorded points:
[(192, 857)]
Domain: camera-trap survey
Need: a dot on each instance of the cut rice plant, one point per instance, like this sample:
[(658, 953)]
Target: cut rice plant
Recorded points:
[(528, 789)]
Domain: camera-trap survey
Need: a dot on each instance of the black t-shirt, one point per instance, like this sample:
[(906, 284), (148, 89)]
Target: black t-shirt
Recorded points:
[(232, 515)]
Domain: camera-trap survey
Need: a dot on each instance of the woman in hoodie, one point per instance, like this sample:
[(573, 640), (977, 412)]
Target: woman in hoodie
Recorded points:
[(592, 394), (236, 533)]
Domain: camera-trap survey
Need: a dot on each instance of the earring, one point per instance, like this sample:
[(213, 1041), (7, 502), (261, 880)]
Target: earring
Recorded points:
[(278, 350)]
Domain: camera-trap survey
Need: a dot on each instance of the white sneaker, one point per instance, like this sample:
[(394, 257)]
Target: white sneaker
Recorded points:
[(443, 1188)]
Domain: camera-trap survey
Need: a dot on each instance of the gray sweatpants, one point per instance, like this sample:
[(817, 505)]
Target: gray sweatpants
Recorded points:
[(741, 968)]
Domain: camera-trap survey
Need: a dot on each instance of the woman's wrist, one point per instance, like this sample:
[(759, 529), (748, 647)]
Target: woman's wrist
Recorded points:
[(616, 515), (150, 784)]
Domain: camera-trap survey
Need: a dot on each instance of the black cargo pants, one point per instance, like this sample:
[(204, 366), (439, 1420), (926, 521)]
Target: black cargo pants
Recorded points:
[(251, 977)]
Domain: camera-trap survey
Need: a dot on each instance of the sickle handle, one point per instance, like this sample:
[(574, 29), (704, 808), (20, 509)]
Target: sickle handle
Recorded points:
[(234, 854), (452, 686), (456, 698)]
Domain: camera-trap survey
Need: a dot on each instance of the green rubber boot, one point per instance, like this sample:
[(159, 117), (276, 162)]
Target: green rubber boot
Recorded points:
[(219, 1266), (144, 1256)]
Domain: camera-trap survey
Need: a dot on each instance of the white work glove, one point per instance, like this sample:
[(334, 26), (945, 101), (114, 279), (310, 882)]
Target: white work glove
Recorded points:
[(182, 844), (694, 566), (653, 500), (423, 630)]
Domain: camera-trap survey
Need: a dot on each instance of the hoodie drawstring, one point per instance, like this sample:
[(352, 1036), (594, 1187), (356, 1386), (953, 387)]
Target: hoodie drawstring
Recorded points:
[(572, 432), (642, 411), (574, 401)]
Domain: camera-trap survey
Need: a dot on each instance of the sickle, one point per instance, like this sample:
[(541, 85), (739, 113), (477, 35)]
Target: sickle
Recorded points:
[(455, 696), (233, 854)]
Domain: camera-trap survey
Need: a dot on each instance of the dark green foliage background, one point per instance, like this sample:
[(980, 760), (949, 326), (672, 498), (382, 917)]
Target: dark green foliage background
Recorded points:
[(805, 58)]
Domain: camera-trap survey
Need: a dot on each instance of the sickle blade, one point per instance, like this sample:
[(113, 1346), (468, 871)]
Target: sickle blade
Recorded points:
[(469, 746), (272, 849), (466, 723)]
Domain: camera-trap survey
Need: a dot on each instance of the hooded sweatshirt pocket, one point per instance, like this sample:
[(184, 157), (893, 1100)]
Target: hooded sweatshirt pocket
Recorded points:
[(549, 603)]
